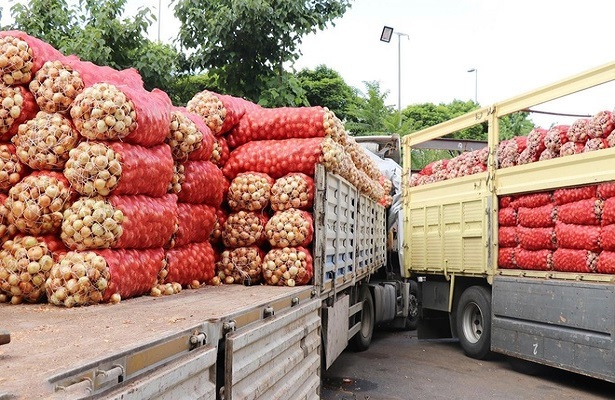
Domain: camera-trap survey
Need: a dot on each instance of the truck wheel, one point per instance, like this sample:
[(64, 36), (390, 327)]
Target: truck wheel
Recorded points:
[(362, 339), (412, 320), (474, 322)]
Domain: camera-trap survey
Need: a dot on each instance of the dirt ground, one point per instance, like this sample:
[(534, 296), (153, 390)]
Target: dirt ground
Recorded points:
[(399, 366)]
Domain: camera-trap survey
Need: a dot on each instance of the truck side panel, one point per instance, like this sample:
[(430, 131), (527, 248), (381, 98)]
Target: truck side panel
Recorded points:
[(565, 324)]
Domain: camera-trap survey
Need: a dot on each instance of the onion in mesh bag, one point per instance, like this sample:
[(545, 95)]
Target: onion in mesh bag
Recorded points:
[(55, 86), (571, 195), (93, 277), (45, 141), (541, 260), (119, 168), (135, 222), (190, 265), (17, 105), (242, 265), (25, 263), (35, 205), (506, 257), (196, 223), (555, 137), (294, 190), (7, 230), (220, 112), (220, 153), (582, 212), (216, 233), (601, 125), (11, 169), (250, 191), (290, 266), (575, 260), (15, 61), (184, 137), (203, 183), (243, 229), (606, 263), (290, 228), (579, 130), (579, 237), (594, 144)]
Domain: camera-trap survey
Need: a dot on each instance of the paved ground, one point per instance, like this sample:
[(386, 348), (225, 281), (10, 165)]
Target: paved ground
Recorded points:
[(399, 366)]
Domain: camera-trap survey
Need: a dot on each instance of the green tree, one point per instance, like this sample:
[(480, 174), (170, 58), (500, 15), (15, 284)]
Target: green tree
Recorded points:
[(370, 115), (325, 87), (247, 43), (95, 31), (516, 124), (421, 116)]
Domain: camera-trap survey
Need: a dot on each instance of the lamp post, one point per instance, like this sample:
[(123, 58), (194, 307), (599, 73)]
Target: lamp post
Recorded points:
[(159, 15), (475, 70), (385, 36)]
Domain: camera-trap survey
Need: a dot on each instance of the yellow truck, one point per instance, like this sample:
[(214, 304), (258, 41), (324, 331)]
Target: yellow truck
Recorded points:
[(559, 318)]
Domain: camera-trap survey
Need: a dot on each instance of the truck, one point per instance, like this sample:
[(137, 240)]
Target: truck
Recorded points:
[(541, 317), (219, 342)]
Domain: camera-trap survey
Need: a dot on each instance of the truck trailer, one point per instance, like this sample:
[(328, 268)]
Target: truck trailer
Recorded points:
[(551, 310)]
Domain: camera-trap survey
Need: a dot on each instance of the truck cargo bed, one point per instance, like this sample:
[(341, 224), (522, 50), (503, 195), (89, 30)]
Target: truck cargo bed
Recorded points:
[(51, 344)]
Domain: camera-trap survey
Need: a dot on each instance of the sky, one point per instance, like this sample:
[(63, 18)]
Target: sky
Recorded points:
[(514, 46)]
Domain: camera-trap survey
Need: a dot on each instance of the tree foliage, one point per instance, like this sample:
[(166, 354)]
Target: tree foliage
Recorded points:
[(369, 115), (246, 43), (325, 87), (95, 31)]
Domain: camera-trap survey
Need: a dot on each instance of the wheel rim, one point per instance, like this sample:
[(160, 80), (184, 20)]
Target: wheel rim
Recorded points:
[(366, 319), (413, 307), (472, 322)]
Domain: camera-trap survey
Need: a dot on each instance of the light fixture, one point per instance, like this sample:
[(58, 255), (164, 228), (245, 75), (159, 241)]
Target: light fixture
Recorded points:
[(387, 34)]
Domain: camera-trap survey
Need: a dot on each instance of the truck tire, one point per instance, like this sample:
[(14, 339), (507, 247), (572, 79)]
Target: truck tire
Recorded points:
[(412, 320), (362, 339), (474, 322)]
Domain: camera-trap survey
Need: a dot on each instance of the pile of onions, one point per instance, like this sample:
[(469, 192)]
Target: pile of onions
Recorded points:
[(579, 131), (295, 190), (242, 265), (93, 169), (216, 233), (290, 266), (209, 107), (45, 141), (243, 229), (601, 124), (7, 230), (361, 160), (12, 102), (250, 191), (184, 137), (25, 263), (189, 265), (55, 86), (35, 205), (78, 279), (103, 112), (165, 289), (220, 153), (15, 61), (11, 169), (290, 228), (91, 223), (179, 176)]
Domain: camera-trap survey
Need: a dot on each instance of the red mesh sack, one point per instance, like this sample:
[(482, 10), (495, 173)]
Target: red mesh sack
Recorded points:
[(532, 200), (279, 124), (7, 230), (249, 191), (290, 228), (537, 238), (555, 137), (189, 264), (507, 236), (120, 222), (55, 87), (428, 170), (295, 190), (203, 183), (505, 201), (605, 190), (24, 54), (529, 155), (290, 266), (570, 260), (571, 148), (506, 257), (196, 223), (608, 211), (601, 125), (103, 168), (538, 217), (571, 195), (595, 144), (548, 154), (607, 237), (220, 112), (12, 170), (91, 73), (535, 140), (541, 260), (216, 233), (17, 105), (242, 265), (93, 277), (606, 263), (244, 229), (579, 237), (582, 212), (508, 151), (579, 131), (186, 134), (276, 158), (220, 153)]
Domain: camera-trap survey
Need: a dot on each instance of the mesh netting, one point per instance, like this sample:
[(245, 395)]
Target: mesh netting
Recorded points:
[(216, 233), (608, 211), (220, 112), (184, 136), (571, 148), (190, 265), (196, 223), (600, 125), (571, 195), (250, 191), (290, 266), (573, 260), (537, 217), (607, 237), (243, 229), (55, 86), (507, 217), (579, 237), (605, 190), (242, 265), (506, 257), (290, 228), (220, 153), (507, 236), (532, 200), (541, 260), (17, 105), (15, 61), (579, 130), (537, 238), (295, 190), (11, 169), (595, 144), (555, 137), (582, 212), (606, 263), (203, 183)]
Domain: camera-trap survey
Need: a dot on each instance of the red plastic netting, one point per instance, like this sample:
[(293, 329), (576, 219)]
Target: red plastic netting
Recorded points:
[(289, 266), (555, 137), (12, 170), (19, 60), (571, 148), (508, 151), (537, 238), (507, 236), (607, 237), (538, 217), (103, 168), (579, 237), (570, 195), (595, 144), (55, 86), (275, 157), (507, 217), (505, 201), (7, 230), (295, 190), (242, 265), (188, 133), (582, 212), (608, 211), (243, 229), (571, 260), (17, 105), (216, 233), (189, 264), (221, 152), (249, 191), (606, 263), (541, 260), (601, 125), (532, 200), (290, 228), (548, 154), (120, 222), (506, 257), (220, 112), (203, 183), (196, 223), (605, 190), (579, 131)]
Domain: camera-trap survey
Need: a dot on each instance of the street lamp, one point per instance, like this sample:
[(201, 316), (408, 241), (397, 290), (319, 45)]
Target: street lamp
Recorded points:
[(475, 70), (385, 36)]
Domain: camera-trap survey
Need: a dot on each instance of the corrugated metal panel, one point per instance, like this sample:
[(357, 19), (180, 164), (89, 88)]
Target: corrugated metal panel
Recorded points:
[(277, 359)]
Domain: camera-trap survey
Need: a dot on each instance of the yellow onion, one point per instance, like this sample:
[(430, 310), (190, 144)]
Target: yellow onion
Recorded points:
[(241, 265), (243, 228), (15, 61), (91, 223), (289, 266), (179, 176), (93, 169), (294, 190), (55, 86), (210, 108), (11, 169), (184, 136), (249, 191)]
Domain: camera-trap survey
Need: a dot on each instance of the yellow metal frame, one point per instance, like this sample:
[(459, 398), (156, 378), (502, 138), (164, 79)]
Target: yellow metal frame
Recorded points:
[(544, 175)]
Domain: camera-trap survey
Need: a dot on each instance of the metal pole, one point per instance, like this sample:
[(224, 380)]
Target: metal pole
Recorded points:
[(475, 70), (159, 14), (399, 35)]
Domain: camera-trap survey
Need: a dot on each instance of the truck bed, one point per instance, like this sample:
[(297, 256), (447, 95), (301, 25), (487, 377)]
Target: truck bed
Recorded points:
[(49, 343)]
